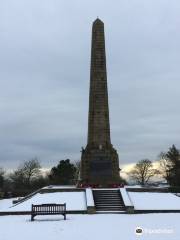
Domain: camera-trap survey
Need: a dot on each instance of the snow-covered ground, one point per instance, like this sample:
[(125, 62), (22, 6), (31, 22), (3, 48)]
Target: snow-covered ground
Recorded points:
[(78, 201), (88, 227), (154, 201), (5, 204), (74, 201)]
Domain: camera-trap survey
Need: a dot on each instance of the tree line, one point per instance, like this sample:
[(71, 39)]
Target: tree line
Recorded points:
[(29, 176), (168, 168)]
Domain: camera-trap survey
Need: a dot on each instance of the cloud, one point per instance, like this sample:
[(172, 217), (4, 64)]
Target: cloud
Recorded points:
[(44, 77)]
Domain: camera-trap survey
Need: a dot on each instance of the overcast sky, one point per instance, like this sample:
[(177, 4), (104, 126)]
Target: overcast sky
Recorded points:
[(44, 77)]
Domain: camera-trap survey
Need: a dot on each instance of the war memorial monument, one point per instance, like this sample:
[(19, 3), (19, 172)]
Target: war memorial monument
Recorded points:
[(99, 160), (100, 188)]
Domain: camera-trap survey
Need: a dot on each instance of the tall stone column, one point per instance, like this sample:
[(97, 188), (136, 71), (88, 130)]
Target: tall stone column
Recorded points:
[(99, 160), (98, 125)]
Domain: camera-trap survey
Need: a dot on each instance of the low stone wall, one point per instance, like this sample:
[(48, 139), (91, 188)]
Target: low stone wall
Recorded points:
[(155, 211), (29, 212), (160, 190), (52, 190)]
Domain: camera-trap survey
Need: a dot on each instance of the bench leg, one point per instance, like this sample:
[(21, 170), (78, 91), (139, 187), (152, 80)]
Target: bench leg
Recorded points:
[(32, 218), (64, 216)]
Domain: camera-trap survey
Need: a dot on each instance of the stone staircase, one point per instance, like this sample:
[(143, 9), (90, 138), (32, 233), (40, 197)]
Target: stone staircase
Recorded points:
[(108, 200)]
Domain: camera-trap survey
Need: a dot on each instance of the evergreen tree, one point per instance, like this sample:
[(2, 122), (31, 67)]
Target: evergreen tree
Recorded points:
[(1, 178), (173, 157), (64, 173)]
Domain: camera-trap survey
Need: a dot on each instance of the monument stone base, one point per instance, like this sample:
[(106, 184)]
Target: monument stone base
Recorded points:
[(100, 167)]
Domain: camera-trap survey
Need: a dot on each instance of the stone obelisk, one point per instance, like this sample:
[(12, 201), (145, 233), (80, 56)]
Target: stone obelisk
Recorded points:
[(99, 160)]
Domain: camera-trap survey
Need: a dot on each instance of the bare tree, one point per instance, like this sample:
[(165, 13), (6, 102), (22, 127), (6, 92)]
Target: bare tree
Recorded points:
[(25, 173), (31, 169), (1, 171), (143, 171), (77, 164), (165, 166)]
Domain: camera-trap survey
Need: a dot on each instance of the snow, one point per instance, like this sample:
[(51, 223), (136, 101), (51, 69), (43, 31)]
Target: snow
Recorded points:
[(89, 197), (78, 201), (133, 186), (155, 201), (126, 198), (73, 200), (5, 203), (59, 187), (88, 227)]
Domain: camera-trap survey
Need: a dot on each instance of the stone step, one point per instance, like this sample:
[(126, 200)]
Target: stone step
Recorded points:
[(110, 212), (100, 191), (108, 200), (105, 190), (111, 202), (106, 193), (108, 197), (104, 206), (111, 196), (107, 207), (110, 205), (110, 209)]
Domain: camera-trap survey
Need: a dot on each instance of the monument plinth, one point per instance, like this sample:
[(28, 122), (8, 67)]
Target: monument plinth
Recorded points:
[(99, 160)]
